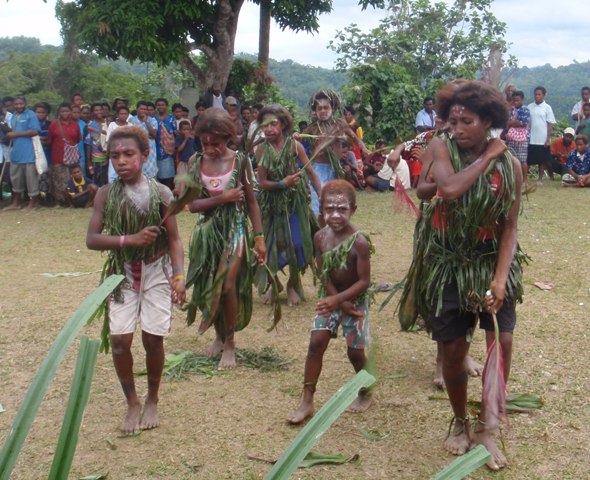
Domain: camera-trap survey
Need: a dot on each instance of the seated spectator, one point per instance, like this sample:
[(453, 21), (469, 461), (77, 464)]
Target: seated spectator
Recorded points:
[(578, 165), (561, 148), (349, 165), (425, 118), (374, 162), (584, 122), (80, 190), (394, 168)]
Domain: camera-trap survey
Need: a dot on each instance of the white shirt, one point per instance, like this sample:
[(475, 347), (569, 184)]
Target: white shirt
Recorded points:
[(402, 171), (541, 115), (423, 119)]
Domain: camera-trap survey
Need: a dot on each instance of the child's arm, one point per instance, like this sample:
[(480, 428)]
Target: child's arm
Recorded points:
[(177, 259), (95, 240), (254, 214), (313, 176), (363, 266), (182, 145)]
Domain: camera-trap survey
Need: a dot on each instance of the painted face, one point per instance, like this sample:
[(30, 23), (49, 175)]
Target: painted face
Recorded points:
[(272, 127), (467, 127), (323, 110), (41, 113), (127, 158), (336, 210), (19, 105), (581, 146), (213, 146), (539, 97)]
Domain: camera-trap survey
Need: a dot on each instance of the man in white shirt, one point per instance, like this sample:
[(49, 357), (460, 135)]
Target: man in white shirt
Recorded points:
[(425, 118), (577, 113), (395, 167), (542, 121)]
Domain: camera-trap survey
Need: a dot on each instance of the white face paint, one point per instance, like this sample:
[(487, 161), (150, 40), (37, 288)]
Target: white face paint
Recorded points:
[(336, 210)]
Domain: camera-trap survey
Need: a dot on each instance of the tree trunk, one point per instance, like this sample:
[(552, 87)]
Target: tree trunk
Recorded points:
[(264, 36), (220, 53)]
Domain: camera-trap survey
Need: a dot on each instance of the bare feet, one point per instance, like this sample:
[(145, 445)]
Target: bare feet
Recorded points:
[(458, 441), (215, 348), (361, 403), (150, 418), (473, 368), (292, 297), (267, 297), (487, 439), (228, 359), (11, 207), (304, 411), (130, 424)]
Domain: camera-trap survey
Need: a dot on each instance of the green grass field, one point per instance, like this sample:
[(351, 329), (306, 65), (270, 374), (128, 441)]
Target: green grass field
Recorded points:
[(211, 423)]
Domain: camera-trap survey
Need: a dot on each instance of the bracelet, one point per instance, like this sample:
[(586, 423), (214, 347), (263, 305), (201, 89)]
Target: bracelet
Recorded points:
[(259, 234), (178, 276), (121, 241), (282, 185)]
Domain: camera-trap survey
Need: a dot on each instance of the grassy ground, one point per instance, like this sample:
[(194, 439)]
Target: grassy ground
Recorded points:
[(210, 425)]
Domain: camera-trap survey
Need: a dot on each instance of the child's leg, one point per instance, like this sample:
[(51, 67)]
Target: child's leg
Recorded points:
[(364, 399), (154, 361), (318, 343), (230, 312), (292, 296), (123, 361)]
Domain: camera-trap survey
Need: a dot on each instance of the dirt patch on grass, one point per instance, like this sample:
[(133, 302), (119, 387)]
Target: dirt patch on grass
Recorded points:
[(210, 424)]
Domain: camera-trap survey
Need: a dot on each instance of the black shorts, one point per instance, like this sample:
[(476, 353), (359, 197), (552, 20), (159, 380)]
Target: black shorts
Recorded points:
[(452, 323), (538, 155)]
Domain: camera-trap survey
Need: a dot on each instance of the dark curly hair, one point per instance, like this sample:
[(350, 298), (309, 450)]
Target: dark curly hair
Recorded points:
[(478, 97), (134, 133), (338, 186), (281, 113)]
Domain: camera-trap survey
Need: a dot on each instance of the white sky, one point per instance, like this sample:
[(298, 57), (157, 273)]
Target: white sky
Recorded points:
[(541, 31)]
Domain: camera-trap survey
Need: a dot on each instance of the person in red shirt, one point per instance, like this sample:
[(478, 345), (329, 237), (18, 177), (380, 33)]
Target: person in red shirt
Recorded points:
[(561, 147), (64, 129)]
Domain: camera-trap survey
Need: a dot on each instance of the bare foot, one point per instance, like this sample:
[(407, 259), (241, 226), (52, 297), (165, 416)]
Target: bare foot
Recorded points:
[(11, 207), (361, 403), (228, 359), (150, 418), (304, 411), (30, 208), (473, 368), (438, 380), (292, 297), (267, 297), (458, 441), (130, 424), (215, 348), (487, 439)]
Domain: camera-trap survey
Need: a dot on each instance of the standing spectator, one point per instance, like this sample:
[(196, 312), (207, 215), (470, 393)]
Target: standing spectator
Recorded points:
[(165, 146), (425, 118), (96, 146), (583, 127), (186, 146), (178, 113), (64, 130), (121, 120), (106, 113), (577, 109), (246, 116), (561, 148), (231, 105), (508, 91), (200, 108), (23, 174), (150, 127), (542, 121), (77, 100), (517, 136), (213, 98), (77, 117), (255, 135), (42, 110)]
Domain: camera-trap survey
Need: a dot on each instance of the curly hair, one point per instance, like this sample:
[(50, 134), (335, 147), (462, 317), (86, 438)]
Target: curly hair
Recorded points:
[(338, 186), (134, 133), (281, 113), (330, 95), (216, 122), (478, 97)]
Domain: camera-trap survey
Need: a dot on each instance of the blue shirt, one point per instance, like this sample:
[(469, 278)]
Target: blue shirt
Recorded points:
[(22, 147), (169, 124), (579, 163)]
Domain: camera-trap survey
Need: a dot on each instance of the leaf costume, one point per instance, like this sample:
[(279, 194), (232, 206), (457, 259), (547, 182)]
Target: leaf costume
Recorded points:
[(457, 241), (337, 259), (123, 217), (219, 239), (288, 222), (326, 129)]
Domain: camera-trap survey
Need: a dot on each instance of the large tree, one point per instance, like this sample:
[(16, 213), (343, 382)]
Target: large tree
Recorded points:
[(167, 31)]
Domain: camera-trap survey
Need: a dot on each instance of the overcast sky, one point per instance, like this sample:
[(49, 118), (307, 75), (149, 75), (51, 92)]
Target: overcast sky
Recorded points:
[(540, 30)]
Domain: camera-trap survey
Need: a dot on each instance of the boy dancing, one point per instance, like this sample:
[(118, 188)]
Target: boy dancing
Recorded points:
[(130, 211), (343, 255)]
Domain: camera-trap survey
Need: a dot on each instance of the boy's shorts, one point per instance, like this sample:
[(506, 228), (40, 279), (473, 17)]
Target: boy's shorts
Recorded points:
[(452, 323), (354, 329), (147, 297)]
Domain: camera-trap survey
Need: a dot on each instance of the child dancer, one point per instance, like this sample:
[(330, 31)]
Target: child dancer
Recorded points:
[(219, 269), (289, 223), (130, 211), (345, 271)]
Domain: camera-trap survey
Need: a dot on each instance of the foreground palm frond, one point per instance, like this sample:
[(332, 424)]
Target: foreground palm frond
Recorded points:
[(465, 464), (307, 438), (30, 404)]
